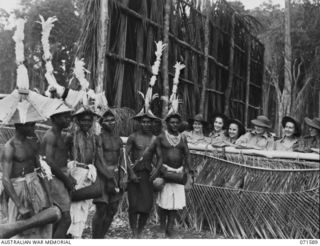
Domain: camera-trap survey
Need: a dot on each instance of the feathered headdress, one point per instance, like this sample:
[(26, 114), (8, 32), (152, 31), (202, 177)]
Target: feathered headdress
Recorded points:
[(174, 100), (47, 25), (74, 98), (22, 72), (23, 105), (148, 98), (100, 100)]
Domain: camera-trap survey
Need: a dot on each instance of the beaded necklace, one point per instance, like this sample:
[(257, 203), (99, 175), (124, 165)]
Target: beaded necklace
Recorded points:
[(172, 139)]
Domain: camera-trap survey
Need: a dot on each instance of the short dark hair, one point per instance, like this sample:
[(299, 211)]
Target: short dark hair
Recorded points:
[(84, 114), (106, 114), (145, 116), (175, 116)]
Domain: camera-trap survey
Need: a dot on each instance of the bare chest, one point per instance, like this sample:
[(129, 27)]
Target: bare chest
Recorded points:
[(24, 151), (110, 144), (61, 146), (142, 142)]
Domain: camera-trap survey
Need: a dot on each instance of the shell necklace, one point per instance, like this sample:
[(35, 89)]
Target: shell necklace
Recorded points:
[(172, 139)]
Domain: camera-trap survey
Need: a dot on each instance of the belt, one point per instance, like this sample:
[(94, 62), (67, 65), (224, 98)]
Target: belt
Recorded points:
[(85, 166)]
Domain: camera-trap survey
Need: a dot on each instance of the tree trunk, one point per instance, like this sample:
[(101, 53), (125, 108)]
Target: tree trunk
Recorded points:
[(227, 94), (280, 115), (165, 58), (205, 61), (287, 89), (265, 97), (102, 45)]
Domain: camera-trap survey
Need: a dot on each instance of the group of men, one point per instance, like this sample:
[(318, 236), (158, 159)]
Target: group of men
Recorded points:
[(85, 166)]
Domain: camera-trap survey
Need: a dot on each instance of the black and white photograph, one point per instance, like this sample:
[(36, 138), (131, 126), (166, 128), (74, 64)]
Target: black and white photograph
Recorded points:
[(159, 119)]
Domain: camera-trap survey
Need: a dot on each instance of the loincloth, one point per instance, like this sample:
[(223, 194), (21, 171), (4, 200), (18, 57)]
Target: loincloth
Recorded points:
[(60, 194), (107, 196), (140, 195), (86, 175), (33, 196), (172, 196)]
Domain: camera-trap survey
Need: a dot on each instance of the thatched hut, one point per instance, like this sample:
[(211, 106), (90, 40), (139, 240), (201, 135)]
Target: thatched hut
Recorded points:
[(224, 61)]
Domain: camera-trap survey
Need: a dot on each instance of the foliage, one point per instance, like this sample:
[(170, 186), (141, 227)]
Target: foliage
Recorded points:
[(7, 61), (305, 35), (63, 40)]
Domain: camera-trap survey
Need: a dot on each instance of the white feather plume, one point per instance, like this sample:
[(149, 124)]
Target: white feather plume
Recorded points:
[(174, 100), (79, 72), (22, 72), (160, 46), (47, 25), (22, 77), (18, 37), (45, 168)]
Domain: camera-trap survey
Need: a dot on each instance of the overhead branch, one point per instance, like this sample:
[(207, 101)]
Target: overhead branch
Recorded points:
[(275, 82), (305, 86), (296, 77), (294, 70)]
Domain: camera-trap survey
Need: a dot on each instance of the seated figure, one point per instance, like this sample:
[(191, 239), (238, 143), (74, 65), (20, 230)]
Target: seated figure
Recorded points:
[(197, 134), (235, 130), (219, 125), (310, 142), (259, 138), (292, 132)]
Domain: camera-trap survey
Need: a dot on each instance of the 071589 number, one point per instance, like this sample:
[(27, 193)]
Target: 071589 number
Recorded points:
[(309, 241), (313, 241)]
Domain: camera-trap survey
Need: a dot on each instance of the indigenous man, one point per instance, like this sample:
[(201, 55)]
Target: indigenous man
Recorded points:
[(172, 150), (54, 148), (83, 152), (26, 192), (140, 189), (259, 138), (108, 169)]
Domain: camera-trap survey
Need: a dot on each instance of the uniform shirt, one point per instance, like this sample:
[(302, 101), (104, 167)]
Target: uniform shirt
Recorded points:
[(231, 140), (251, 139), (285, 144), (304, 144), (193, 138), (217, 137)]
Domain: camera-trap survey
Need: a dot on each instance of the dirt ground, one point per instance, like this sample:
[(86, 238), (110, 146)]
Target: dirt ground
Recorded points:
[(120, 230)]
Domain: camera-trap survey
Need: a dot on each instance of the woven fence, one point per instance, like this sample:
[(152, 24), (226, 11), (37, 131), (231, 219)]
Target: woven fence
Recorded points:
[(252, 201)]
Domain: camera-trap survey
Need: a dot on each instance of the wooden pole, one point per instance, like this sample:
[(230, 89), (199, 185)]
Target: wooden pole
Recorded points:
[(319, 103), (102, 45), (246, 113), (119, 78), (227, 94), (186, 86), (139, 55), (165, 75), (205, 60)]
